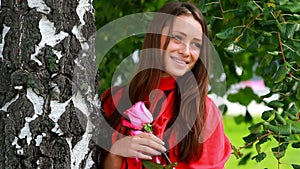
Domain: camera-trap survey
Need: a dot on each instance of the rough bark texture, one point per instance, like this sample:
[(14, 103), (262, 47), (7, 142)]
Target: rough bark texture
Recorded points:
[(40, 124)]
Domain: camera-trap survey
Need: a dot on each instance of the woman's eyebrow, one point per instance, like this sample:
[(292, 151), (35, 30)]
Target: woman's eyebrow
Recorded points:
[(184, 34), (199, 40)]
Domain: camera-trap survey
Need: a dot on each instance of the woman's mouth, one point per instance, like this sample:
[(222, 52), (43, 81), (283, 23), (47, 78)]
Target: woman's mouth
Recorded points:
[(179, 61)]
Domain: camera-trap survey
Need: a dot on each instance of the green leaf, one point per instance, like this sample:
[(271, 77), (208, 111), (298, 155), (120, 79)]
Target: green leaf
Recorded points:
[(267, 23), (239, 119), (279, 26), (291, 8), (223, 108), (254, 45), (267, 95), (293, 110), (234, 49), (296, 145), (280, 119), (258, 147), (278, 87), (290, 115), (275, 104), (298, 59), (267, 34), (280, 74), (251, 137), (244, 160), (244, 96), (282, 139), (259, 157), (270, 69), (263, 140), (296, 166), (298, 93), (273, 53), (148, 128), (256, 128), (289, 30), (268, 115), (227, 33), (296, 128), (151, 165), (284, 130), (170, 166), (279, 152), (248, 117)]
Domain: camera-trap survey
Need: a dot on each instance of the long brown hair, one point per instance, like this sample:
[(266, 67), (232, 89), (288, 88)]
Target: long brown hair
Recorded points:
[(146, 80), (190, 97)]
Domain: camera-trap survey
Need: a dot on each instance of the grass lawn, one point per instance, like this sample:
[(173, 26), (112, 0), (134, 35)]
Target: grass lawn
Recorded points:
[(235, 132)]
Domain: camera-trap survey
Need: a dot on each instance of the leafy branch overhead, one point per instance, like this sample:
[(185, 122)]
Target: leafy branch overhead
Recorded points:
[(262, 38)]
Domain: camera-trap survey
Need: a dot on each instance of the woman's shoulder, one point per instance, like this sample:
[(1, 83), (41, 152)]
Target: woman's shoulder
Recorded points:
[(110, 98), (209, 102), (211, 106), (112, 92)]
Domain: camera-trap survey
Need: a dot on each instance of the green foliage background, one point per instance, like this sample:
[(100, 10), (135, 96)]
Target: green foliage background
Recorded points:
[(260, 37)]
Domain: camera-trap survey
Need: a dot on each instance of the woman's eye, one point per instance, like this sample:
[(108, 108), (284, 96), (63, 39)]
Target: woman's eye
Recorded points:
[(197, 45), (177, 37)]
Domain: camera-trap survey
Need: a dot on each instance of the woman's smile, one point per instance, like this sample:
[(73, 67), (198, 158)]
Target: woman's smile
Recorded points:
[(179, 61)]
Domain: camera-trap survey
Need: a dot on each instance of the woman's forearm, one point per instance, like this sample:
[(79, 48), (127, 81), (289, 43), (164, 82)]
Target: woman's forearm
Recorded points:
[(113, 161)]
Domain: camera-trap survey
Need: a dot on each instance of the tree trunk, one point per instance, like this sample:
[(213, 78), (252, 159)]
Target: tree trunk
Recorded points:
[(44, 122)]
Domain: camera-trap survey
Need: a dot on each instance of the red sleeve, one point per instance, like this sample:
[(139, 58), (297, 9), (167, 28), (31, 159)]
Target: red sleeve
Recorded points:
[(216, 146), (108, 101)]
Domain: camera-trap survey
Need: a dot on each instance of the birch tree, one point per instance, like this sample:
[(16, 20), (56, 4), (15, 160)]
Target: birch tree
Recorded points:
[(44, 123)]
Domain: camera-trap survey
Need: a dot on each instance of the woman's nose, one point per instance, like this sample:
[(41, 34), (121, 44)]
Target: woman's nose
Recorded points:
[(185, 49)]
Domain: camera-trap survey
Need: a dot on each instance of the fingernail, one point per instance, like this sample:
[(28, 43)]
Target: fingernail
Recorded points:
[(164, 149)]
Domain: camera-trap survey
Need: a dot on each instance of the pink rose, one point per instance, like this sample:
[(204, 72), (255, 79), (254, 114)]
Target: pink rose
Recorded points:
[(141, 118), (138, 115)]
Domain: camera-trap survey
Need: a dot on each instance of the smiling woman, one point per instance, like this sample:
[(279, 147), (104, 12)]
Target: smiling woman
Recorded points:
[(172, 79), (184, 46)]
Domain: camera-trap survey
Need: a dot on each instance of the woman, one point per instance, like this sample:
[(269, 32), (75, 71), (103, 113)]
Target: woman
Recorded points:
[(172, 78)]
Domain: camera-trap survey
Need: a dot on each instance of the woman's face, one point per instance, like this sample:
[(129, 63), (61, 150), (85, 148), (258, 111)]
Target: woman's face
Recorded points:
[(184, 47)]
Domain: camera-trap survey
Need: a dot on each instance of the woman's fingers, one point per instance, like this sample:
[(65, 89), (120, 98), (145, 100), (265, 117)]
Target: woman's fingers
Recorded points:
[(142, 156), (147, 150), (150, 141), (142, 146), (153, 137)]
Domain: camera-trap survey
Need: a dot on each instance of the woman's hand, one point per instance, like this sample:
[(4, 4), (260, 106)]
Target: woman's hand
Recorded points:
[(142, 146)]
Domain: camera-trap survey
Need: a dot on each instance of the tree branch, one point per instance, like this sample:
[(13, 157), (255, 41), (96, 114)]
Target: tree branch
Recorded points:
[(246, 27), (258, 138), (283, 56), (281, 48), (221, 9)]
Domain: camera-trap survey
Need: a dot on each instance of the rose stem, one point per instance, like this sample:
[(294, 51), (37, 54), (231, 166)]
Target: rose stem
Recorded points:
[(167, 157)]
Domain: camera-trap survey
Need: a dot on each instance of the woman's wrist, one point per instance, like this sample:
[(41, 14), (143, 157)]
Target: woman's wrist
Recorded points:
[(113, 161), (115, 157)]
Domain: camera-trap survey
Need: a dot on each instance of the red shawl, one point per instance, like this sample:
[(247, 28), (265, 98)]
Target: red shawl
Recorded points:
[(216, 146)]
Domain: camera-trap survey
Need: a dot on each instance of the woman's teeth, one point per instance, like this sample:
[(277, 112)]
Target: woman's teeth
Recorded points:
[(179, 61)]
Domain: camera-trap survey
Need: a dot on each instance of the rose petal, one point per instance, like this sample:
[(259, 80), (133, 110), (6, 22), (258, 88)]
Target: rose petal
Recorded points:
[(139, 115), (133, 133), (126, 123)]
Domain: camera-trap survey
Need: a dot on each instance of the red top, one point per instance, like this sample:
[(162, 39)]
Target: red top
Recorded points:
[(216, 146)]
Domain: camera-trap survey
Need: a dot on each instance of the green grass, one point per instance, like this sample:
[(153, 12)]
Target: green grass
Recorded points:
[(236, 132)]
